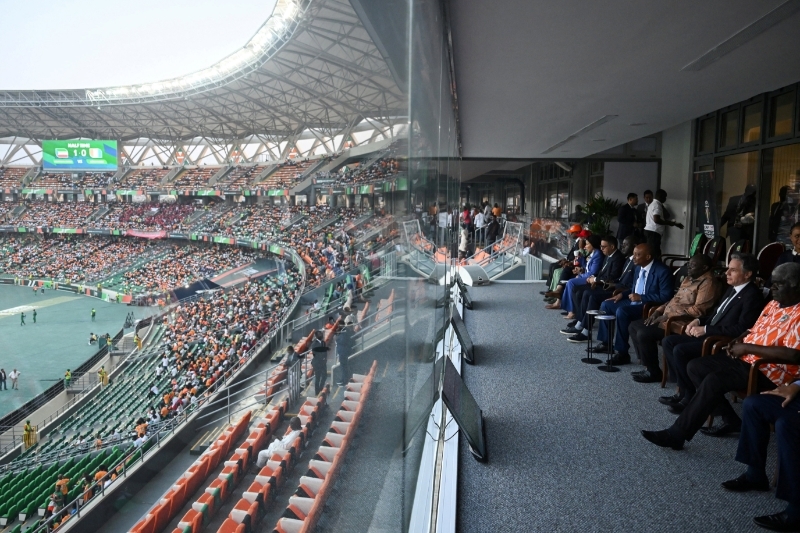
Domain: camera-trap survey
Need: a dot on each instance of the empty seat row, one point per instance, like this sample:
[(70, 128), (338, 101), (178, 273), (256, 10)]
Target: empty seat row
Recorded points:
[(308, 502)]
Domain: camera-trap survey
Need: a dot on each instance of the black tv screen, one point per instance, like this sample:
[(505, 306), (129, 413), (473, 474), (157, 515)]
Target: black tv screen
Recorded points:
[(467, 348), (464, 409), (422, 402)]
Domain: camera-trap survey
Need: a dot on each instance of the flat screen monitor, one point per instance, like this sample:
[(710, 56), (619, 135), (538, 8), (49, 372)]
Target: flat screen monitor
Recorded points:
[(465, 410), (467, 348), (422, 402)]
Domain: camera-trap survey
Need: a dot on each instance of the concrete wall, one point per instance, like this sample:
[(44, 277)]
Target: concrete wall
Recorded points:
[(676, 173)]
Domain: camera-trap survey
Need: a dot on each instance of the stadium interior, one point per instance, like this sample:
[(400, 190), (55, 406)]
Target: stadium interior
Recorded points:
[(331, 244)]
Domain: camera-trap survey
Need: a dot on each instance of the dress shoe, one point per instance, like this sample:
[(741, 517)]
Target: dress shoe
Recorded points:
[(569, 330), (676, 408), (638, 372), (600, 348), (742, 484), (580, 337), (542, 292), (572, 324), (569, 316), (721, 431), (620, 359), (670, 400), (663, 438), (550, 300), (647, 377), (554, 305), (552, 294), (777, 522)]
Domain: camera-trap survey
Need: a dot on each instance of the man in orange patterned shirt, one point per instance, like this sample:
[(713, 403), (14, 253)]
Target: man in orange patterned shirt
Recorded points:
[(776, 335)]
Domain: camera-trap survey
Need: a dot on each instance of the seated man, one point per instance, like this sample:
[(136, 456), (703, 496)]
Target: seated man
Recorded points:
[(776, 335), (653, 284), (563, 268), (277, 444), (737, 312), (695, 297), (610, 271), (779, 408), (616, 274), (594, 261)]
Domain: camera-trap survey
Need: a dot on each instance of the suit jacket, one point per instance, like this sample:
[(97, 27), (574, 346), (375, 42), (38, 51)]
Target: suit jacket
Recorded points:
[(739, 315), (612, 267), (593, 264), (627, 217), (659, 285)]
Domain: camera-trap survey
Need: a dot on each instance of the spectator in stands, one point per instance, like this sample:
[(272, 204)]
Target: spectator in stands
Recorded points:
[(737, 311), (775, 336), (653, 284), (656, 222), (319, 362), (696, 296), (497, 211), (793, 255), (283, 444), (480, 224), (594, 262), (578, 216), (344, 349), (492, 230), (626, 217), (641, 212), (778, 408)]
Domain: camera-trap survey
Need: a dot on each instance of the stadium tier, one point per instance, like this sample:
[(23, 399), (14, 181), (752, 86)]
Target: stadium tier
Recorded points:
[(287, 174), (195, 178), (144, 178), (240, 177), (11, 177)]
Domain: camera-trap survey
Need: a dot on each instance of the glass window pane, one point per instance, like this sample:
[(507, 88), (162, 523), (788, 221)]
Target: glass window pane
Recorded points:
[(736, 195), (705, 142), (782, 173), (751, 132), (729, 129), (781, 114)]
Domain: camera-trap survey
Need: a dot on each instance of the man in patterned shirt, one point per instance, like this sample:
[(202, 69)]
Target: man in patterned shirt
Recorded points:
[(776, 335)]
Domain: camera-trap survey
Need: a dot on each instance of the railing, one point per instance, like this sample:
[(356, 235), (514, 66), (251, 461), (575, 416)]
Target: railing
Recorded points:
[(533, 268)]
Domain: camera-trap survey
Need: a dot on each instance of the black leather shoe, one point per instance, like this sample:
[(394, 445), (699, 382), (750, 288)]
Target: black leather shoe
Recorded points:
[(579, 337), (742, 484), (663, 438), (670, 400), (676, 408), (721, 431), (638, 372), (647, 377), (600, 348), (620, 359), (572, 324), (777, 522), (569, 330)]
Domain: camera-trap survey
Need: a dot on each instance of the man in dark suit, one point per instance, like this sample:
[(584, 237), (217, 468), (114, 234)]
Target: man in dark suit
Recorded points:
[(738, 215), (653, 283), (641, 211), (616, 274), (627, 217), (737, 311)]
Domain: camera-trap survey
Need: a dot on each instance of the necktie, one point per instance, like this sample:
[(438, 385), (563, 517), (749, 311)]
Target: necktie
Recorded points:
[(640, 283), (722, 307)]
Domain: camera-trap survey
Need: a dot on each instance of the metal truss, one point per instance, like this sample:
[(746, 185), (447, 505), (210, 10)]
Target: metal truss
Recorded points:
[(324, 76)]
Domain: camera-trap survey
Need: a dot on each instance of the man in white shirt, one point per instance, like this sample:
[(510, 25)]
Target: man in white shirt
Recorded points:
[(14, 376), (443, 222), (283, 444), (656, 224), (480, 222)]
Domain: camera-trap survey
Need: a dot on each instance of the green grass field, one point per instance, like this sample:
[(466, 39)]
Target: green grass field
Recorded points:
[(42, 352)]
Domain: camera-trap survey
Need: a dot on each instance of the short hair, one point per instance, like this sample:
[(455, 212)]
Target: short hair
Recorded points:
[(594, 240), (633, 195), (660, 191), (610, 239), (792, 271), (704, 260), (749, 262), (648, 191), (794, 226)]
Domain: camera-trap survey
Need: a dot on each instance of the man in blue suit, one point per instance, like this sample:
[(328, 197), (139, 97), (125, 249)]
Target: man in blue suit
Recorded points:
[(593, 264), (653, 283)]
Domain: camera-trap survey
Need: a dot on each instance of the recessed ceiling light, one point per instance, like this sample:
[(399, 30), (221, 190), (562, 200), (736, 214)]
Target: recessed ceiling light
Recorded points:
[(637, 123)]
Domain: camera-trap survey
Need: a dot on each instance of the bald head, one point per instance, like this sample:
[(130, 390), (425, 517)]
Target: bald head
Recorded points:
[(642, 255)]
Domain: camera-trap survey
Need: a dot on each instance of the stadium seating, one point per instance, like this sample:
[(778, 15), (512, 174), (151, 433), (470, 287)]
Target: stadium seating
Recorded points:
[(195, 178), (144, 178), (11, 177), (287, 174)]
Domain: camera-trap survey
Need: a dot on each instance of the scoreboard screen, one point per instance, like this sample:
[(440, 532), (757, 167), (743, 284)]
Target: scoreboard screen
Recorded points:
[(79, 155)]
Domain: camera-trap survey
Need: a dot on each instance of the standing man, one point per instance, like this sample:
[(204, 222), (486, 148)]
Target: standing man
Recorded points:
[(319, 362), (480, 222), (3, 380), (27, 436), (627, 216), (14, 375), (344, 349), (94, 313), (641, 212), (656, 223), (67, 378), (22, 319), (34, 316)]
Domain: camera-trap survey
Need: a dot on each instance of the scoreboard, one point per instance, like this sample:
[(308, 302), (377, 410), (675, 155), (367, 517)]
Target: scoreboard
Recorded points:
[(79, 155)]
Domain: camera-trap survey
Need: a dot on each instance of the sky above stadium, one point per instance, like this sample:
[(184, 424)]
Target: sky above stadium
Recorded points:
[(92, 43)]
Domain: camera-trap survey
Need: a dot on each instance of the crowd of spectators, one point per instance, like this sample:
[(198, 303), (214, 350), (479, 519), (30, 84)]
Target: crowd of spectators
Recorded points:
[(241, 176), (144, 178), (11, 177), (50, 214), (287, 174), (195, 178), (146, 216)]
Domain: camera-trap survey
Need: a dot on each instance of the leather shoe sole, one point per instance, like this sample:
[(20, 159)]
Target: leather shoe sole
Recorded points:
[(777, 522), (647, 378), (663, 439), (742, 484)]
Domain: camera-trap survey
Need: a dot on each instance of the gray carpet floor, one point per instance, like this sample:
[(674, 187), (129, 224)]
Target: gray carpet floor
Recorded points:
[(565, 452)]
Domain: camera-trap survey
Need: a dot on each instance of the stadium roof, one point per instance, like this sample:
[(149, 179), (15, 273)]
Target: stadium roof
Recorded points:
[(312, 65)]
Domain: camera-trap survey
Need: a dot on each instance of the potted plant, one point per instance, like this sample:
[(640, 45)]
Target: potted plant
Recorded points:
[(600, 210)]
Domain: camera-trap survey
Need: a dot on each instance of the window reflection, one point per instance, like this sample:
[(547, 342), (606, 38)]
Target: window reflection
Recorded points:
[(751, 132), (781, 114), (736, 179), (729, 129), (782, 172)]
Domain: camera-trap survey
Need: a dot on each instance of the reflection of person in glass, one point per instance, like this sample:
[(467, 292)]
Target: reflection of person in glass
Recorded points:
[(775, 212), (740, 215), (788, 214)]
